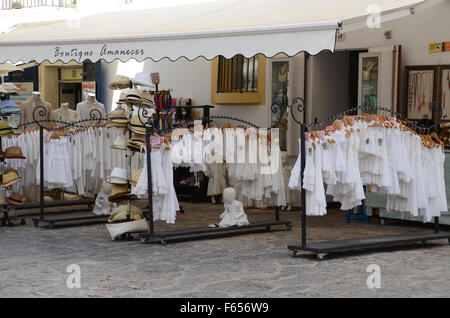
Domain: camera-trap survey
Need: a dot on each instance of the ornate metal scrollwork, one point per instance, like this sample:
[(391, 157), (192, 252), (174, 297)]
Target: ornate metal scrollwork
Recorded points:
[(246, 122), (93, 117), (299, 104), (42, 112), (144, 113)]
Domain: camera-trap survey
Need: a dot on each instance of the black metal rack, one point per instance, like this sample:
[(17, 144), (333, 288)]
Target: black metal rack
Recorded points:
[(197, 233), (94, 117), (322, 249)]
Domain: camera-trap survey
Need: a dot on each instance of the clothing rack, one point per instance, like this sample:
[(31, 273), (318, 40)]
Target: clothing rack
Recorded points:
[(322, 249), (195, 233), (94, 117)]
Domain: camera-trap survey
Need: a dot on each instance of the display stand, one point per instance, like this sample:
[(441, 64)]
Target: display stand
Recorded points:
[(6, 218), (197, 233), (322, 249), (95, 117)]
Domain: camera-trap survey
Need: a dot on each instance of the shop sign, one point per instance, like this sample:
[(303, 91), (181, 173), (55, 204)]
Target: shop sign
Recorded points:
[(155, 78), (435, 47), (26, 90), (439, 47), (446, 47), (88, 87)]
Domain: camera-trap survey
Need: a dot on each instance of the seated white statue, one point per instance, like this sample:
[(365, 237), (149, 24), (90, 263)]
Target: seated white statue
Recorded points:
[(234, 213)]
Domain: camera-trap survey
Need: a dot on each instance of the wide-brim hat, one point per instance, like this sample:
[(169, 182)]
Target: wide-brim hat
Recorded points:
[(120, 214), (14, 153), (10, 178), (118, 176), (136, 126), (133, 96), (5, 129), (120, 143), (120, 82), (143, 79), (135, 146), (134, 179), (116, 125), (119, 116), (16, 199), (147, 100), (3, 201), (119, 193), (117, 229)]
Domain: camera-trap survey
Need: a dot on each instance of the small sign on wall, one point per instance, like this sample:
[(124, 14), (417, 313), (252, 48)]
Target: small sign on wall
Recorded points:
[(439, 47)]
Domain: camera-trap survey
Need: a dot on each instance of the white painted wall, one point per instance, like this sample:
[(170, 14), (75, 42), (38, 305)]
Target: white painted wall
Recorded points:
[(414, 33)]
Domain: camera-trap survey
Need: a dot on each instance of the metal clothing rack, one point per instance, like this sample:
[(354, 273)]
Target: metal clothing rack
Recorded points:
[(95, 116), (196, 233), (322, 249)]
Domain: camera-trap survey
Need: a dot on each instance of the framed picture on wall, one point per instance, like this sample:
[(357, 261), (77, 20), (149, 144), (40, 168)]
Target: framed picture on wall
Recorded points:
[(420, 91), (444, 91)]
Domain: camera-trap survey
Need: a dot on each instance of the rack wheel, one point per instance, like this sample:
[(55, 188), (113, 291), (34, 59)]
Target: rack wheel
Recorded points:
[(90, 206), (144, 240), (23, 222), (293, 253), (320, 257), (51, 226), (36, 224), (289, 227), (163, 242)]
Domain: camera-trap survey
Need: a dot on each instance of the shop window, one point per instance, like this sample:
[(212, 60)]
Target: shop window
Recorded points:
[(238, 80)]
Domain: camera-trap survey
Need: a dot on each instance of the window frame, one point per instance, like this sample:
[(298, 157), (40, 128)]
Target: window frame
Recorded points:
[(257, 97)]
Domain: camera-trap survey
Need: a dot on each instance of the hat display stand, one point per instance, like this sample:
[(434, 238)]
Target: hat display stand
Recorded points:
[(6, 219), (95, 117), (6, 209), (127, 227)]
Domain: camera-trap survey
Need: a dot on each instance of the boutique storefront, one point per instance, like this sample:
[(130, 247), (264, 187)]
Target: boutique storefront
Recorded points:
[(106, 157)]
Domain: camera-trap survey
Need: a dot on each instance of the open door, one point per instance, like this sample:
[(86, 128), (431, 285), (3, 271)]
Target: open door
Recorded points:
[(379, 71)]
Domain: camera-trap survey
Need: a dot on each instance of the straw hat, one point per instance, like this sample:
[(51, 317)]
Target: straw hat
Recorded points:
[(119, 193), (71, 197), (3, 201), (134, 179), (16, 199), (120, 214), (120, 82), (14, 153), (119, 116), (133, 96), (136, 143), (136, 126), (5, 129), (118, 176), (117, 229), (10, 177), (120, 143), (148, 100), (135, 146)]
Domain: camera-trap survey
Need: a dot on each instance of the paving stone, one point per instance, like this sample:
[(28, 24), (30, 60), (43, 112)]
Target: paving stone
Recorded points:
[(34, 262)]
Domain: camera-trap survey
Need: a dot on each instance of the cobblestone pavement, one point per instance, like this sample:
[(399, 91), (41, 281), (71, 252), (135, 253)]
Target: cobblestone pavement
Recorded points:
[(33, 262)]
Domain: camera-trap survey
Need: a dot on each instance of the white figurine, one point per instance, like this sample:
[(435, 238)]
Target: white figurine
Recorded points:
[(234, 213)]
